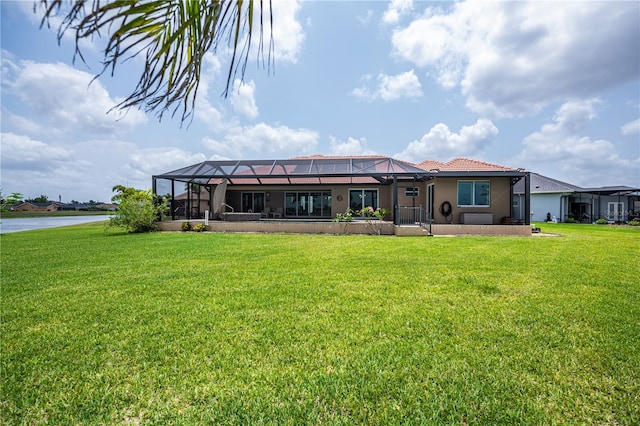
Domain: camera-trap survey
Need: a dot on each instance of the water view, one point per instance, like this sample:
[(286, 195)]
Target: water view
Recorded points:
[(31, 223)]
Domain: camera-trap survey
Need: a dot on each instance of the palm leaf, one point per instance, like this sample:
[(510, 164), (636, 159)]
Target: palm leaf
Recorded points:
[(173, 36)]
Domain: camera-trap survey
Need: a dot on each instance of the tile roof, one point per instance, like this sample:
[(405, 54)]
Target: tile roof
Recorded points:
[(543, 184), (463, 165)]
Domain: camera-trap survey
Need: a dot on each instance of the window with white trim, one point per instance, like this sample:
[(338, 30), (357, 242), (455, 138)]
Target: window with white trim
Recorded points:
[(474, 193)]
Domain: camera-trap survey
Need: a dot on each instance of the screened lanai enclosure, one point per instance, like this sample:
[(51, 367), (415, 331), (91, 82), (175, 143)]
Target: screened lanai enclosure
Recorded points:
[(318, 188)]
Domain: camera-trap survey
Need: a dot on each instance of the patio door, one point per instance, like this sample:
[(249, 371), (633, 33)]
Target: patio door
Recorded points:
[(615, 211), (361, 198), (253, 201), (307, 204)]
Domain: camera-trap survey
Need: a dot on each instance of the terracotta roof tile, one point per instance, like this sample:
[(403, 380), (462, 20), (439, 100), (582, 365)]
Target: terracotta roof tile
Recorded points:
[(463, 165), (430, 165)]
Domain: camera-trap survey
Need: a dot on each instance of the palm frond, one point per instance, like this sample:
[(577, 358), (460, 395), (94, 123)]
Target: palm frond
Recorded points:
[(173, 36)]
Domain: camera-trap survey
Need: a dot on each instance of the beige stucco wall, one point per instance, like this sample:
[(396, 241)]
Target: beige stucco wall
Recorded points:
[(356, 227), (291, 227), (446, 189)]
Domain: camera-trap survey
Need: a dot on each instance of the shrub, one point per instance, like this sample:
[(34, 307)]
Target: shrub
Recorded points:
[(200, 227), (634, 222), (347, 216), (138, 211), (569, 220), (370, 213), (186, 226), (601, 221)]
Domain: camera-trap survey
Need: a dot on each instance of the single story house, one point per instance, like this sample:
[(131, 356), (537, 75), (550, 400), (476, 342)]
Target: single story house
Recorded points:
[(32, 206), (551, 199), (459, 192)]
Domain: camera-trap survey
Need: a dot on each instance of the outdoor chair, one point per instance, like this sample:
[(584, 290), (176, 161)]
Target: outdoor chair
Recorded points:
[(277, 213)]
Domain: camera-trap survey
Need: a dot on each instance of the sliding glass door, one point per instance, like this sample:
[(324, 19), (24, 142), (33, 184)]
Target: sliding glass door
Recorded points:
[(307, 204), (253, 202)]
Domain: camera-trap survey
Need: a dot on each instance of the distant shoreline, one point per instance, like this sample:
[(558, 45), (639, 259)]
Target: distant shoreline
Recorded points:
[(20, 215)]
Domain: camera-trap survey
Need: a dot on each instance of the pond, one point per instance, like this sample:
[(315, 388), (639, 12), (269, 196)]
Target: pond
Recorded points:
[(31, 223)]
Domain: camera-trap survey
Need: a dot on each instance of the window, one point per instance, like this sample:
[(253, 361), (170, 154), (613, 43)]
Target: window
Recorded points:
[(361, 198), (474, 193), (411, 191), (316, 204)]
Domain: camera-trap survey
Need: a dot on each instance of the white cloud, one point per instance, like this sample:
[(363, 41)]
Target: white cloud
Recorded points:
[(631, 128), (21, 124), (204, 110), (243, 99), (558, 150), (390, 87), (66, 101), (160, 160), (83, 170), (514, 58), (288, 35), (441, 144), (262, 140), (351, 146), (20, 152), (220, 149), (396, 10)]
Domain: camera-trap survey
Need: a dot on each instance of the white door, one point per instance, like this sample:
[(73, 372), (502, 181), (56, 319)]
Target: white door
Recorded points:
[(615, 211)]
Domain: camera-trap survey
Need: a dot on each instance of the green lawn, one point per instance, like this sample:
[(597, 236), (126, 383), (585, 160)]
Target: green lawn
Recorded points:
[(176, 328)]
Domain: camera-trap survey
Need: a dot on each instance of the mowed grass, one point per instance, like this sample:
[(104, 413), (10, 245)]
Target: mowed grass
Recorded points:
[(204, 328)]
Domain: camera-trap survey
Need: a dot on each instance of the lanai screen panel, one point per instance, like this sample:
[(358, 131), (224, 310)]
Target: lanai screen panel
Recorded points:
[(379, 167)]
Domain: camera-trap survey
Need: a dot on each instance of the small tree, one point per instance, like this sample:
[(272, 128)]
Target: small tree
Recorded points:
[(14, 198), (137, 211), (41, 199)]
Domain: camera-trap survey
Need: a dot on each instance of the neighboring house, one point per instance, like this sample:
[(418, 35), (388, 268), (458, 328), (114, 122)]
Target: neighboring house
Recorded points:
[(107, 206), (557, 200), (461, 191), (29, 206), (78, 207)]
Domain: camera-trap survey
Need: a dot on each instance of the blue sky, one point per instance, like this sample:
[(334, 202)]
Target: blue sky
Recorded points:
[(553, 87)]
